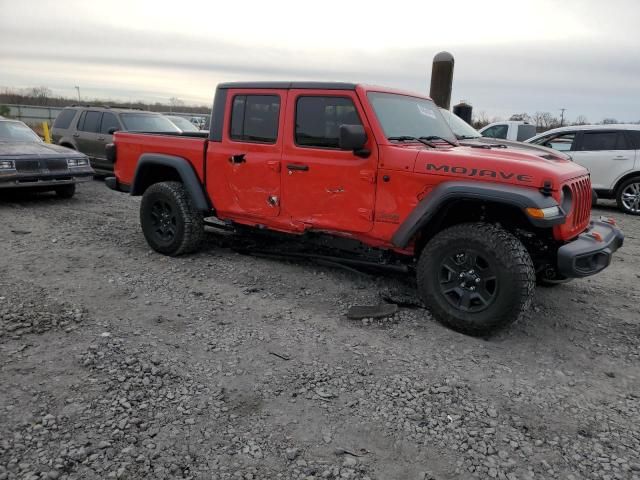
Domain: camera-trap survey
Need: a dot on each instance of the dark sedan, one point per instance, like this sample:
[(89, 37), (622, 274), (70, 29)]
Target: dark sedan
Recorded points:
[(27, 162)]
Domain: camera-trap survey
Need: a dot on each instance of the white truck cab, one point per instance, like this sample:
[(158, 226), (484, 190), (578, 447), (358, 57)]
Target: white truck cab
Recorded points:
[(509, 130)]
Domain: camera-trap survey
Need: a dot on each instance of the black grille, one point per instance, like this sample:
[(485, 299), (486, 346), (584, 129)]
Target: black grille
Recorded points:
[(57, 164), (27, 165)]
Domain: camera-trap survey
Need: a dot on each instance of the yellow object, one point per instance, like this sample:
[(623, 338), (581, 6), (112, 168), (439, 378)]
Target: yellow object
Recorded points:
[(45, 130), (535, 212)]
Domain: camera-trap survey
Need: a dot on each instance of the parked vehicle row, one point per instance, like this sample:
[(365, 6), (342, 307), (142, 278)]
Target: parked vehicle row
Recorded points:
[(26, 162), (376, 173), (611, 153)]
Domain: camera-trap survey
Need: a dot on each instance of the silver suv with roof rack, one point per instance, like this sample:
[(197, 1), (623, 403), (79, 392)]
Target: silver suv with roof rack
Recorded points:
[(89, 129)]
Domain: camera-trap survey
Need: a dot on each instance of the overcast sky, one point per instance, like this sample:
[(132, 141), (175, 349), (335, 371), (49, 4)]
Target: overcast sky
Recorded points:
[(511, 56)]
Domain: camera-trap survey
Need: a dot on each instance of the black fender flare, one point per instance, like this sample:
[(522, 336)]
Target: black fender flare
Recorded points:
[(446, 192), (181, 166)]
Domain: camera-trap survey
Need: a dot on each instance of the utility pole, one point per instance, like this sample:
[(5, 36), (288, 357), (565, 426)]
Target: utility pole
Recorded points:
[(562, 116), (78, 89)]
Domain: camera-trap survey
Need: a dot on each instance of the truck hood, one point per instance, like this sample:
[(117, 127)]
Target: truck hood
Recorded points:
[(510, 166), (21, 150), (538, 150)]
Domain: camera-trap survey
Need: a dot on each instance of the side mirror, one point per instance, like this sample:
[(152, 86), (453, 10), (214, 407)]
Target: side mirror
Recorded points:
[(113, 130), (353, 137)]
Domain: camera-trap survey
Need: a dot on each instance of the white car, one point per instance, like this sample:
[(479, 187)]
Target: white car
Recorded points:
[(515, 130), (611, 153)]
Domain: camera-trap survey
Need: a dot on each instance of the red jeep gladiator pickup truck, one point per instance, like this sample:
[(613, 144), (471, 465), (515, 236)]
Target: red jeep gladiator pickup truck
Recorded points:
[(478, 225)]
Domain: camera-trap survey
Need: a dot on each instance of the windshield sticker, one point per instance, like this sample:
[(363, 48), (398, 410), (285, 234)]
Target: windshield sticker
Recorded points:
[(426, 111)]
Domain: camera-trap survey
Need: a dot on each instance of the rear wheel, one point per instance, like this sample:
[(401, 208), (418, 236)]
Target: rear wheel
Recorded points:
[(66, 191), (628, 196), (476, 278), (170, 222)]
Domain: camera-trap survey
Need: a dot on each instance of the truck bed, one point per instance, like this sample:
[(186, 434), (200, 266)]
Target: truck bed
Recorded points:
[(131, 146)]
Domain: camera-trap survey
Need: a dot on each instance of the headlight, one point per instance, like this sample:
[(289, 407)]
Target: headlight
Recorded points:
[(77, 162), (544, 212), (7, 165)]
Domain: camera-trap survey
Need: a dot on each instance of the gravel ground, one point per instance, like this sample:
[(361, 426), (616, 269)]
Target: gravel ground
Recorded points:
[(121, 363)]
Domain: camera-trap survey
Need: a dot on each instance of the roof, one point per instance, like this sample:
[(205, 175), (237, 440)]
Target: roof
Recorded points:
[(290, 85), (610, 126)]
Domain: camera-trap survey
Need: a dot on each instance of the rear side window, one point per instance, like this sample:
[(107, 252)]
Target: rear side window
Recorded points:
[(91, 122), (318, 120), (497, 131), (254, 118), (525, 132), (595, 141), (63, 120), (634, 135), (109, 121)]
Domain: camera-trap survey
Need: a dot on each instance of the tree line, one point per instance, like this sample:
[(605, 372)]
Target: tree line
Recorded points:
[(542, 120), (43, 96)]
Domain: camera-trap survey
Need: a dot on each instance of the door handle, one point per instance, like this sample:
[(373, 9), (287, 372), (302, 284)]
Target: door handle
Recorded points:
[(101, 139), (621, 157), (237, 158), (293, 166), (76, 135)]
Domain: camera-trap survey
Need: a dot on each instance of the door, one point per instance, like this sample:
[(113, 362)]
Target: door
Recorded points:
[(243, 170), (87, 132), (325, 187), (606, 154)]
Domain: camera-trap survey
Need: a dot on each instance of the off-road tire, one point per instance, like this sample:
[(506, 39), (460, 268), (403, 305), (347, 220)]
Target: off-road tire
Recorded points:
[(510, 264), (66, 191), (619, 192), (187, 221)]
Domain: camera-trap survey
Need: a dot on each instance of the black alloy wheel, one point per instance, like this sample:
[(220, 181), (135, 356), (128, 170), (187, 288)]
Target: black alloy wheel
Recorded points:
[(468, 281)]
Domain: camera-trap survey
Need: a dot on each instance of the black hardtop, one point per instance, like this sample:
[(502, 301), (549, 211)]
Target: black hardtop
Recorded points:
[(289, 85)]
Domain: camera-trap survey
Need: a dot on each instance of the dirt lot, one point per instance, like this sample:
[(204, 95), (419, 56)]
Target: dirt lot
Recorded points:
[(121, 363)]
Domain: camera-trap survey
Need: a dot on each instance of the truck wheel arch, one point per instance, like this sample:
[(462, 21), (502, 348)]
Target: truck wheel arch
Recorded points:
[(448, 193), (155, 167)]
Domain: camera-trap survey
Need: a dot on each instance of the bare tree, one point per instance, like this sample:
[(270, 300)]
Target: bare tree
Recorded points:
[(545, 121), (581, 120), (480, 120), (40, 94), (175, 102)]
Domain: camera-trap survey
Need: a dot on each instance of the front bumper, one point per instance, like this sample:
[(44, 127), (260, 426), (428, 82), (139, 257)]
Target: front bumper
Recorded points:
[(45, 178), (591, 251)]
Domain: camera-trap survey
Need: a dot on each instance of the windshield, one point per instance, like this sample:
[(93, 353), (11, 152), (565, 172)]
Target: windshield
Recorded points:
[(145, 122), (461, 128), (182, 123), (17, 132), (404, 116)]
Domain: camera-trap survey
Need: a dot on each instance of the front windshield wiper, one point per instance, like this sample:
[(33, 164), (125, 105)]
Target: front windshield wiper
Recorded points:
[(437, 137), (407, 138), (467, 137)]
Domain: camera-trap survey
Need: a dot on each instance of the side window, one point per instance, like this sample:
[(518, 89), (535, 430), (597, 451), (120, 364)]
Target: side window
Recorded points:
[(497, 131), (318, 120), (109, 121), (81, 120), (562, 142), (91, 122), (596, 141), (634, 136), (63, 120), (254, 118)]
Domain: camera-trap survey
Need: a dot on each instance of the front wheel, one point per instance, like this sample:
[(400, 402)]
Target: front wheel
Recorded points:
[(628, 196), (476, 278), (170, 222)]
